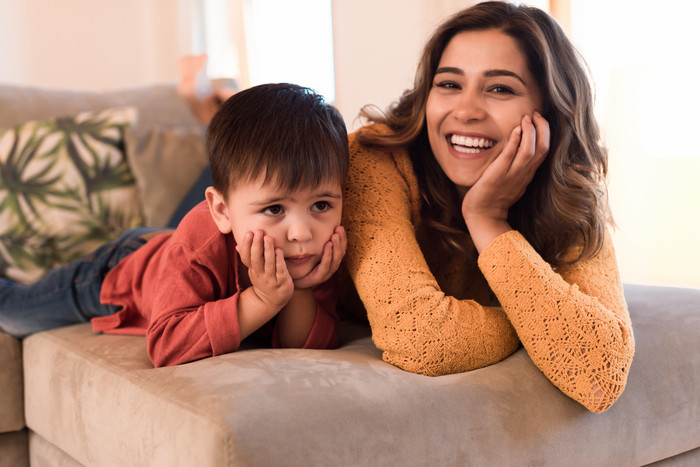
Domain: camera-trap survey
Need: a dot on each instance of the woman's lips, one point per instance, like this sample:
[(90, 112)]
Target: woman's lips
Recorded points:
[(469, 146)]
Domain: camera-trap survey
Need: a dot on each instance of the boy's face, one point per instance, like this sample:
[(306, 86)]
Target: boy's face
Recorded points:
[(300, 222)]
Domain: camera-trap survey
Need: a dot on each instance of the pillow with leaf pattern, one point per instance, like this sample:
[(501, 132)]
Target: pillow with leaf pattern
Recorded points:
[(65, 189)]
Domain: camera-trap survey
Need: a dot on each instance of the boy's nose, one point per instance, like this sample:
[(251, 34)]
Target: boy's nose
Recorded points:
[(299, 232)]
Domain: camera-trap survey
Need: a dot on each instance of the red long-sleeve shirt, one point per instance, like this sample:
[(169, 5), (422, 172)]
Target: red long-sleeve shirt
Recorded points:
[(181, 290)]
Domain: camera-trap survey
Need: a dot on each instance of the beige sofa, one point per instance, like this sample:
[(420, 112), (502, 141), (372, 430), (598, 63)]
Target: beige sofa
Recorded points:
[(72, 397)]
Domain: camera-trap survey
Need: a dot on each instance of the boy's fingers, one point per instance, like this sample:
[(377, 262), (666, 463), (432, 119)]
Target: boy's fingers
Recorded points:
[(269, 254), (342, 239), (244, 248), (324, 265), (257, 252), (280, 265), (339, 246)]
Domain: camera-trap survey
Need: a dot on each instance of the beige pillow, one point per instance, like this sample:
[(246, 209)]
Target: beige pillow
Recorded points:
[(65, 189), (165, 163)]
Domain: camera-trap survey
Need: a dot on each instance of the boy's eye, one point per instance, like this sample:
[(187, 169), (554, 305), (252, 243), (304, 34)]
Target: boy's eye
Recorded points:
[(321, 206), (274, 210)]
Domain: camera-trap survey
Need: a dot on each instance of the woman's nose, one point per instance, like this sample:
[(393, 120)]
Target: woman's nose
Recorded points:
[(469, 107)]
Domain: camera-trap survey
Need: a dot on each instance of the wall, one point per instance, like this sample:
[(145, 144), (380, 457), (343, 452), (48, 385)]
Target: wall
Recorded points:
[(378, 44), (89, 44), (647, 107)]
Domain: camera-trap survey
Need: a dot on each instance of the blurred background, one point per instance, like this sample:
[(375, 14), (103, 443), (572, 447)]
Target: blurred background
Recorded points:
[(355, 52)]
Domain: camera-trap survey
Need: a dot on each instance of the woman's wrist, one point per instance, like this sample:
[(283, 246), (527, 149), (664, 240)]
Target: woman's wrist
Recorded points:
[(483, 231)]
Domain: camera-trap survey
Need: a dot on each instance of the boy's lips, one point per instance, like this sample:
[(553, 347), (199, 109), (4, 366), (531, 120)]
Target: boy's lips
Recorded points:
[(301, 259)]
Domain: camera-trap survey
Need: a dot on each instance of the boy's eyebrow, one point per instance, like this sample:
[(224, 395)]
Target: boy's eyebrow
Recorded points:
[(487, 73), (278, 199)]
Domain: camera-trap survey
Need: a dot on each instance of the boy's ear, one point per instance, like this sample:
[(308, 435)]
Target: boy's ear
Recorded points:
[(218, 209)]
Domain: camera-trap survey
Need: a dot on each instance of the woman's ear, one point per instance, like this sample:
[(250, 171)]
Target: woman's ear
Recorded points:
[(218, 209)]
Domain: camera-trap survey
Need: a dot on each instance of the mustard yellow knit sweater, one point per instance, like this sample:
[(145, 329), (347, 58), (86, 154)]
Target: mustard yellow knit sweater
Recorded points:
[(435, 314)]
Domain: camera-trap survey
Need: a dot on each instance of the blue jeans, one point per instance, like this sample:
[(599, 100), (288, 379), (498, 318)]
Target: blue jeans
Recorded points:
[(68, 294)]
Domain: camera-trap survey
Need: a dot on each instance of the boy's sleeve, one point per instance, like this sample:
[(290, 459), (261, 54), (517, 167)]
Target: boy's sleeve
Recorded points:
[(189, 320), (324, 332)]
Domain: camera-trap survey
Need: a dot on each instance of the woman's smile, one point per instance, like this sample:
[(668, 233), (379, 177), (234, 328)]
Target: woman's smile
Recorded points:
[(470, 145)]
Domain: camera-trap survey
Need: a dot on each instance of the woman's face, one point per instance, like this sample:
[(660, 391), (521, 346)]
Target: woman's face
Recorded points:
[(481, 91)]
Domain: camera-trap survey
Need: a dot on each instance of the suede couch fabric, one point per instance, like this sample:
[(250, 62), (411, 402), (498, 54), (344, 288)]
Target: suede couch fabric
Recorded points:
[(14, 451), (12, 400), (108, 406)]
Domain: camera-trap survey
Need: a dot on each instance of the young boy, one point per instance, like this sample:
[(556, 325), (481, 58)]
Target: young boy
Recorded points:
[(262, 248)]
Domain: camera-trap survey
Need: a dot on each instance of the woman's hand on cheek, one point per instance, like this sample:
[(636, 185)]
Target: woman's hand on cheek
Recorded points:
[(486, 204), (332, 256), (267, 270)]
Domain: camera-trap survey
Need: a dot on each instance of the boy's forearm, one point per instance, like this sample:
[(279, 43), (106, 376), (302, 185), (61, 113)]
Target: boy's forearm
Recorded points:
[(297, 318), (253, 313)]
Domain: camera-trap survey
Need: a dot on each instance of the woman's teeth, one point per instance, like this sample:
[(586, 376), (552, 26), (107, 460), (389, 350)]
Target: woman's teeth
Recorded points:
[(471, 145)]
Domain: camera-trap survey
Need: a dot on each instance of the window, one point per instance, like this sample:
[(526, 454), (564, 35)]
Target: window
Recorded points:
[(261, 41)]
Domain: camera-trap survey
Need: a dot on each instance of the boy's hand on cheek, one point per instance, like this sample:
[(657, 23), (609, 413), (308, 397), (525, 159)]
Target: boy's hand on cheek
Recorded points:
[(333, 253), (267, 270)]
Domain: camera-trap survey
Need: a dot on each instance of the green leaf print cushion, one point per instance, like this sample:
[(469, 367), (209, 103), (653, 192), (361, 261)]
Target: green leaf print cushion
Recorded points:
[(65, 189)]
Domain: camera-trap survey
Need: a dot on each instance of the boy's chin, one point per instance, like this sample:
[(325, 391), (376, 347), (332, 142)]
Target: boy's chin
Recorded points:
[(300, 272)]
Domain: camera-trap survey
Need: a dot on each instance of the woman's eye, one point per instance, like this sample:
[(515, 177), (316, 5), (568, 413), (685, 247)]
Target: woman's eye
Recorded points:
[(321, 206), (275, 210), (500, 89), (446, 85)]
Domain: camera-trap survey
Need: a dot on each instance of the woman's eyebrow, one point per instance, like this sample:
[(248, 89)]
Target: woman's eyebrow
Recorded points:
[(449, 69), (492, 73), (487, 73)]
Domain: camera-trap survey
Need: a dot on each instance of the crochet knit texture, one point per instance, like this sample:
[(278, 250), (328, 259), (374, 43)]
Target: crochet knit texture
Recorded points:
[(437, 314)]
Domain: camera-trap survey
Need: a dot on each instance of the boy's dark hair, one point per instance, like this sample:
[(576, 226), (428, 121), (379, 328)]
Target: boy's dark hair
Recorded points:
[(286, 133)]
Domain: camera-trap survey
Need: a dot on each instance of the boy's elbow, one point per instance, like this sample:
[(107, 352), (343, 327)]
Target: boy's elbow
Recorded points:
[(162, 352)]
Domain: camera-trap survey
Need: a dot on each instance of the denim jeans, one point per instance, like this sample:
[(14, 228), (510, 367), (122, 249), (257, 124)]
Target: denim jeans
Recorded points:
[(68, 294)]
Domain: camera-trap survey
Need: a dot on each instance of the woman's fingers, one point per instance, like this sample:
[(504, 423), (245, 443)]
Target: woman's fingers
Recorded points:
[(543, 136), (534, 145), (526, 150)]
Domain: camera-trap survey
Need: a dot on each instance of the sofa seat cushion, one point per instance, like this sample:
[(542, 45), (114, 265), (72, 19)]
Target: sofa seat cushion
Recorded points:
[(97, 398), (11, 396)]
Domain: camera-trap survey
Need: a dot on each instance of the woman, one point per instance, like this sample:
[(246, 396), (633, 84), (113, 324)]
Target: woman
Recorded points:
[(476, 211)]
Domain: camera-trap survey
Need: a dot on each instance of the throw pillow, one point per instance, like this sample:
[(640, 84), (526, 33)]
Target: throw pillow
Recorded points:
[(65, 189), (165, 163)]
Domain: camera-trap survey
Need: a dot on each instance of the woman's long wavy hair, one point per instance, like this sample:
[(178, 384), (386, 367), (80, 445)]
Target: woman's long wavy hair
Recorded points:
[(565, 205)]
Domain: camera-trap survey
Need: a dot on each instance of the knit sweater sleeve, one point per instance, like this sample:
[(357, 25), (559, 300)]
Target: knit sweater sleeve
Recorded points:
[(418, 327), (573, 323)]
